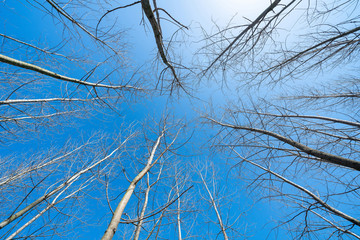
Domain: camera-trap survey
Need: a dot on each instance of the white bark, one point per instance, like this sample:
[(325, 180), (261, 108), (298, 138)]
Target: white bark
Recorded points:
[(110, 231), (52, 204), (178, 213), (32, 67), (69, 181), (213, 203), (142, 214)]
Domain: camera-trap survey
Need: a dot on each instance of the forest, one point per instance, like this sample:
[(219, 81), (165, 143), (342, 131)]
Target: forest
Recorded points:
[(179, 120)]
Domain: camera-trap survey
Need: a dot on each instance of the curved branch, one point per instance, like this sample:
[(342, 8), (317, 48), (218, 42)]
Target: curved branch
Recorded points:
[(311, 194), (112, 10), (158, 37), (32, 67), (323, 156), (71, 19), (156, 9)]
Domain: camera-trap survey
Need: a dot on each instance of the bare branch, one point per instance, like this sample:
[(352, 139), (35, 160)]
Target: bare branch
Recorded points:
[(323, 156), (312, 195), (49, 73)]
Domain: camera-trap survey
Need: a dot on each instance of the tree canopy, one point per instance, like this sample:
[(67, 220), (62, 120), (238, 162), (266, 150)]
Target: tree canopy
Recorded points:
[(152, 120)]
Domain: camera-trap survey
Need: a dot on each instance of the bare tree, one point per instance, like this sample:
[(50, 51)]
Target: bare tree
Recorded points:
[(54, 82), (54, 184), (214, 204), (46, 84), (288, 40), (110, 231), (169, 188), (318, 151), (301, 147), (303, 135)]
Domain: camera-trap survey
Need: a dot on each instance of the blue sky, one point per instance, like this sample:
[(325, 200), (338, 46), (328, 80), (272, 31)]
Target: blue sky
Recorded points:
[(21, 20), (24, 22)]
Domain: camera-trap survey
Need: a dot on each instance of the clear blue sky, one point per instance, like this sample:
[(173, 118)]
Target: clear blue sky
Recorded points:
[(21, 20)]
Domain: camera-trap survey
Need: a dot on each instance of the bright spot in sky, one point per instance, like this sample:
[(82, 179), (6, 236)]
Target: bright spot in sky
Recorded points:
[(222, 11)]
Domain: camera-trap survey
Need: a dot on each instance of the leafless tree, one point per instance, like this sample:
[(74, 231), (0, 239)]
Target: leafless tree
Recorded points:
[(301, 135), (56, 183), (318, 152), (50, 82), (110, 231), (288, 40), (214, 203), (46, 84), (300, 147)]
